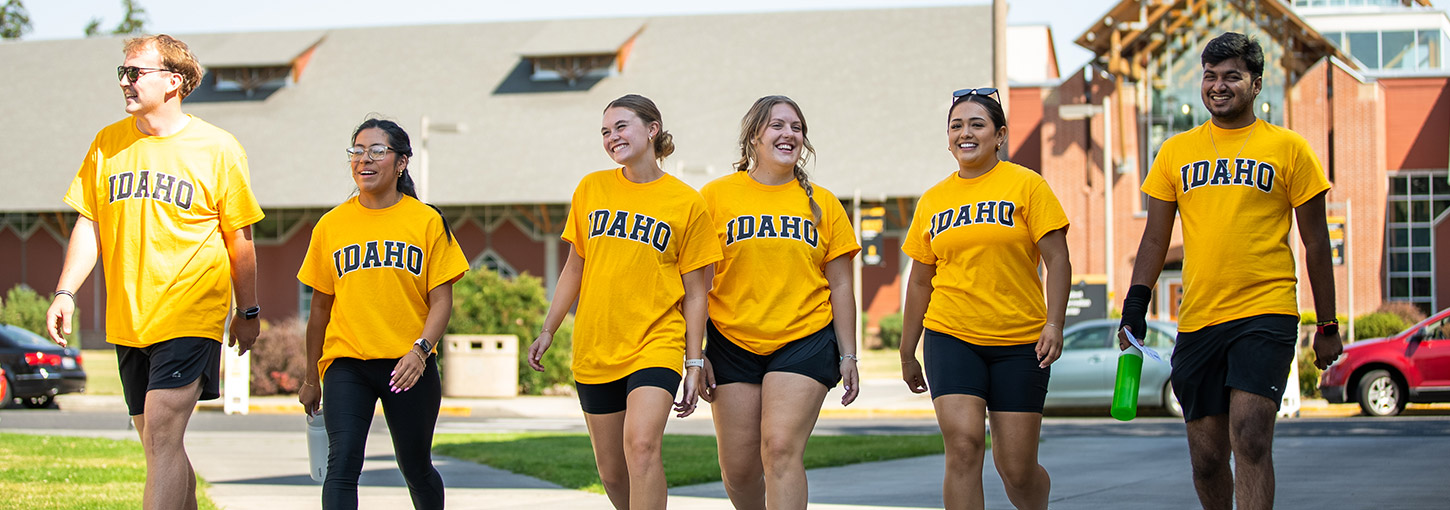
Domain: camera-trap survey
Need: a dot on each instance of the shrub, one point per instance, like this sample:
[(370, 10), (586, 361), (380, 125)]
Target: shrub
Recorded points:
[(1308, 374), (890, 335), (485, 303), (1405, 310), (279, 357), (25, 308), (1307, 318), (1378, 324)]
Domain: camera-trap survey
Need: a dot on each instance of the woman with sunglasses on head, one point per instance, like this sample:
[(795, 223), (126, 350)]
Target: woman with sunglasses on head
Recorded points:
[(382, 267), (640, 269), (975, 242), (782, 313)]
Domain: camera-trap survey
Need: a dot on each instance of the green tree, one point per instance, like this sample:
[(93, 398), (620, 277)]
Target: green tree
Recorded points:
[(14, 20), (133, 22), (486, 303), (25, 308)]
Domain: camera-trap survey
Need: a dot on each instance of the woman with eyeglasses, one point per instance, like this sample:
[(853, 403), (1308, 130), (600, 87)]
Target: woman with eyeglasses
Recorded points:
[(782, 313), (382, 267), (975, 242), (640, 268)]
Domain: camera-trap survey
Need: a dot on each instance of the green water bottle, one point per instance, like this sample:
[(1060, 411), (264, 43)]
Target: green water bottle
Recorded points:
[(1125, 389)]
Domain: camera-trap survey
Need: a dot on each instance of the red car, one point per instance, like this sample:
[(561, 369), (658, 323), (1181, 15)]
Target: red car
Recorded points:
[(1384, 374)]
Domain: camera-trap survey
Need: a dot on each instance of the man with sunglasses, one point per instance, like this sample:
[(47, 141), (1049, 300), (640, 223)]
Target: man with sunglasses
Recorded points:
[(165, 204), (1237, 181)]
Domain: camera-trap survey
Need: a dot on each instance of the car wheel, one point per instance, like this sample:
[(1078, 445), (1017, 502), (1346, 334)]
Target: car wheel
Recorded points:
[(6, 398), (40, 402), (1380, 394), (1170, 401)]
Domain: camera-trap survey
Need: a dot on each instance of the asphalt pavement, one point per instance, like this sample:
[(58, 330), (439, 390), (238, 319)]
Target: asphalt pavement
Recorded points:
[(259, 460)]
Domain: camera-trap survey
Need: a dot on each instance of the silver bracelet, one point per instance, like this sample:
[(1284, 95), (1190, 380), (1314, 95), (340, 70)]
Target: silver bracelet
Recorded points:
[(851, 357), (1054, 325), (697, 362)]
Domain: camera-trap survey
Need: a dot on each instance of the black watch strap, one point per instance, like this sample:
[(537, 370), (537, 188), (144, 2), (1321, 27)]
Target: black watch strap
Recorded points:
[(251, 313)]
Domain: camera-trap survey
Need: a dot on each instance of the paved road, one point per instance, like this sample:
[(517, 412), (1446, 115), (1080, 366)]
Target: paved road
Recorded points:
[(258, 461)]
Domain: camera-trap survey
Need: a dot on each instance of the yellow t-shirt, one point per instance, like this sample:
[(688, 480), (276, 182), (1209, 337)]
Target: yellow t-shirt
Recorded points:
[(379, 264), (1237, 209), (636, 240), (771, 287), (161, 204), (981, 234)]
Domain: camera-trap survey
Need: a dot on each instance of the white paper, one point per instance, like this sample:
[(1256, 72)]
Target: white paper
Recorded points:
[(1147, 351)]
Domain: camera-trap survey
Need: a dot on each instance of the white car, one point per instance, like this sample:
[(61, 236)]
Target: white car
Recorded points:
[(1084, 375)]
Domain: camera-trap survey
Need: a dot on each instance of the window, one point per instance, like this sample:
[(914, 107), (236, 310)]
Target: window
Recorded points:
[(1097, 337), (304, 302), (491, 260), (1415, 200), (1396, 50)]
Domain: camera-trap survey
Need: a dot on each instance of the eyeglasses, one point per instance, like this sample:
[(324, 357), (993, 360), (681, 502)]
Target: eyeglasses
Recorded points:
[(132, 73), (373, 153), (961, 95)]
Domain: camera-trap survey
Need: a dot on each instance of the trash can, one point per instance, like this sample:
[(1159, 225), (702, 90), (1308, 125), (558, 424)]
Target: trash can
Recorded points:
[(480, 366)]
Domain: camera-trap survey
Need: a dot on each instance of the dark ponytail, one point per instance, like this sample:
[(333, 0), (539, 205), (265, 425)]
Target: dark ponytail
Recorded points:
[(399, 143)]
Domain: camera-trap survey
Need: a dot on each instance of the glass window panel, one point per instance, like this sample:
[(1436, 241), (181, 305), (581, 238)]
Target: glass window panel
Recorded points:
[(1420, 210), (1441, 206), (1419, 185), (1421, 286), (1399, 262), (1399, 287), (1425, 307), (1400, 237), (1088, 338), (1440, 184), (1420, 237), (1365, 47), (1398, 186), (1399, 211), (1397, 50), (1422, 260), (1427, 49), (1444, 44)]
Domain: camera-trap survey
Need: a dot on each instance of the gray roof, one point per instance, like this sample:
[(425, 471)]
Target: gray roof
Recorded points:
[(874, 86)]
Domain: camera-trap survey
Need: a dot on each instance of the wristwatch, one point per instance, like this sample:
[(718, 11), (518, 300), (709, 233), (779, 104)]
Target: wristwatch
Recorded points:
[(425, 344), (1329, 327), (250, 313)]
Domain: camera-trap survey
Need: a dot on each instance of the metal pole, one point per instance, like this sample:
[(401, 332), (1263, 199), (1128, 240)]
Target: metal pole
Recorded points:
[(420, 181), (1349, 269), (856, 269), (1108, 226)]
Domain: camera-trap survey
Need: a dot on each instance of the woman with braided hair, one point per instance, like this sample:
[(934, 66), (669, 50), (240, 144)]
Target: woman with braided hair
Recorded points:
[(782, 313)]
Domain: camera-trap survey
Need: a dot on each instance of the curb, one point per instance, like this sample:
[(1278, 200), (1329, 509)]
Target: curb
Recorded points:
[(296, 408)]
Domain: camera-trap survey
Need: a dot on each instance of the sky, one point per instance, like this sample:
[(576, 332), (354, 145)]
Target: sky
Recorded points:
[(66, 19)]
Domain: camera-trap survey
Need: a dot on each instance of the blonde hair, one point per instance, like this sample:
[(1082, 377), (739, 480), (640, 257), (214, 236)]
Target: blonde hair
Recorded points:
[(175, 56), (754, 122), (664, 143)]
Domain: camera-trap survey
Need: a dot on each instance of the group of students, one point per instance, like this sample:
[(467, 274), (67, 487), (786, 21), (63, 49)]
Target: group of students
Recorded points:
[(738, 294)]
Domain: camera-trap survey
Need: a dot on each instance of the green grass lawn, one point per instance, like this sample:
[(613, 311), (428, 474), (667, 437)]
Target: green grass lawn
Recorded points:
[(45, 472), (688, 459), (101, 375)]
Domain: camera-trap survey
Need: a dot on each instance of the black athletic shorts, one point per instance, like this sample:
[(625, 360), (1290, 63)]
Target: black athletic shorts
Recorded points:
[(1008, 377), (1251, 354), (613, 396), (815, 356), (169, 364)]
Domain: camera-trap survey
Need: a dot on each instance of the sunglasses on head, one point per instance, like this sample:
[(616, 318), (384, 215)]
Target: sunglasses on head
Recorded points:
[(961, 95), (132, 73)]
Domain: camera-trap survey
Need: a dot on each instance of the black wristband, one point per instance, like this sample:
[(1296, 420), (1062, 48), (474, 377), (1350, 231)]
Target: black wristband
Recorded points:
[(1137, 298), (58, 293), (1135, 309)]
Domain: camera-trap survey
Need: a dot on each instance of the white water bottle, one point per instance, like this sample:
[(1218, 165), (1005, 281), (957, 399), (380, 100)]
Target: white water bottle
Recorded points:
[(317, 446)]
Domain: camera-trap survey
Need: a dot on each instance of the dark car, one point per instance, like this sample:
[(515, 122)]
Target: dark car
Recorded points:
[(36, 369), (1084, 375), (1384, 374)]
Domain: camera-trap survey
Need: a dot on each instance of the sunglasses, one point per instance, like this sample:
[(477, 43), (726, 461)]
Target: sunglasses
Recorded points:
[(373, 153), (132, 73), (961, 95)]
